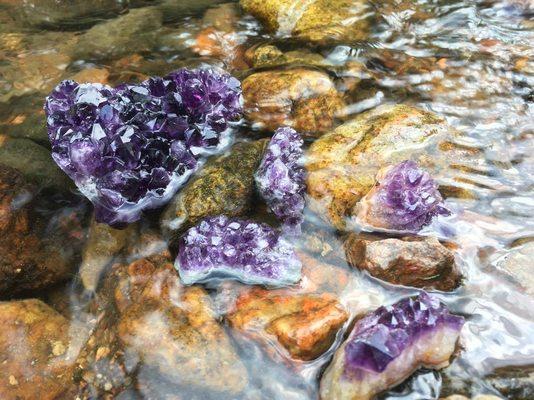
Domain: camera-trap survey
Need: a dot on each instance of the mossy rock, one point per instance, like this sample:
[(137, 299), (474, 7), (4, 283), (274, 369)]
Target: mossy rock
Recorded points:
[(315, 21), (224, 186)]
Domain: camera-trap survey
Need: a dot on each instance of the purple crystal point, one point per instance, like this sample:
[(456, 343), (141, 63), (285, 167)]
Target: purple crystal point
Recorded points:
[(405, 198), (280, 177), (389, 344), (250, 252), (130, 148)]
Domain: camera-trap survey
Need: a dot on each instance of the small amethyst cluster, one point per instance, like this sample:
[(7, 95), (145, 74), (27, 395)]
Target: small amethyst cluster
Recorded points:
[(131, 147), (280, 177), (383, 335), (248, 251), (406, 198)]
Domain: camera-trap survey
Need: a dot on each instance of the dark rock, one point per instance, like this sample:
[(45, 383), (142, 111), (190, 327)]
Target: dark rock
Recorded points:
[(514, 382), (35, 352), (410, 261), (224, 186), (38, 250)]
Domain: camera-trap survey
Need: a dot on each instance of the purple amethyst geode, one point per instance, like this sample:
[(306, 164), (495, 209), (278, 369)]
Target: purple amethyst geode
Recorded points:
[(247, 251), (389, 344), (405, 198), (130, 148), (280, 177)]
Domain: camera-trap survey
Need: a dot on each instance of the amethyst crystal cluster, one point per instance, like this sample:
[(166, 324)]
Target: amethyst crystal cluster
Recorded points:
[(389, 344), (280, 177), (406, 198), (131, 147), (250, 252)]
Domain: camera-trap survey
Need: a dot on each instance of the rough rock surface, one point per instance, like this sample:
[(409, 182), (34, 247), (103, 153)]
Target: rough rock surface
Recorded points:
[(410, 261), (343, 163), (514, 382), (315, 20), (34, 255), (167, 333), (34, 356), (304, 99), (224, 186), (305, 325)]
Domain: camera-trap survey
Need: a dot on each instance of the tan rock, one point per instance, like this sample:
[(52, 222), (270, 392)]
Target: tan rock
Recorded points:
[(305, 325), (517, 265), (411, 261), (33, 352), (305, 99), (343, 163), (313, 20)]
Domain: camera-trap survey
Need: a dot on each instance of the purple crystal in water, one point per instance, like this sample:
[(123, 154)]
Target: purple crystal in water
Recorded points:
[(248, 251), (382, 336), (131, 147), (405, 198), (280, 177), (388, 345)]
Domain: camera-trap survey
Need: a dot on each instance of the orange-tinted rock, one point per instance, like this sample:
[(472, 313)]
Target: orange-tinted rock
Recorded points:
[(166, 332), (34, 255), (305, 325), (305, 99), (34, 352), (410, 261)]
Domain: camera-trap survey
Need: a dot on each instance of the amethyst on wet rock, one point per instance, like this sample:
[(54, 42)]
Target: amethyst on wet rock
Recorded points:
[(248, 251), (130, 148), (389, 344), (280, 177), (405, 198)]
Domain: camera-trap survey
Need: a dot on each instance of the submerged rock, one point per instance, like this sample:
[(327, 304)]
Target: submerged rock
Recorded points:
[(34, 249), (248, 251), (34, 352), (137, 30), (405, 198), (131, 148), (103, 244), (388, 345), (301, 98), (305, 325), (280, 178), (316, 21), (342, 164), (410, 261), (168, 334), (514, 382), (517, 265), (33, 161), (225, 185)]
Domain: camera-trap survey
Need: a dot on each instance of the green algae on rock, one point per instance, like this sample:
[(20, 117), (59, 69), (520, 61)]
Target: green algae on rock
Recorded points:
[(312, 20), (224, 186)]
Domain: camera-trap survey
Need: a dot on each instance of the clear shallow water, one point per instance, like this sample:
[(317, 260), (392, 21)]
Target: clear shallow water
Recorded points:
[(470, 62)]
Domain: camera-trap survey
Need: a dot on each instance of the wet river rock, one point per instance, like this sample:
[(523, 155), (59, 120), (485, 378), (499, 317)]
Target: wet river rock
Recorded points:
[(167, 333), (34, 249), (514, 382), (410, 261), (34, 356), (224, 186), (342, 164), (516, 264), (304, 99), (305, 325), (315, 21)]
